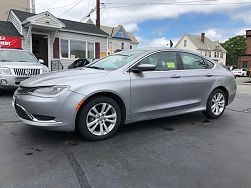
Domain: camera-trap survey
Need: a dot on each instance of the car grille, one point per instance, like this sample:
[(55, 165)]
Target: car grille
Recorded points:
[(21, 112), (26, 72), (23, 90)]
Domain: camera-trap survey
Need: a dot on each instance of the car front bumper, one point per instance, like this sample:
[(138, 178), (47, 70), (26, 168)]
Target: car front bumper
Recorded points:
[(10, 81), (51, 113)]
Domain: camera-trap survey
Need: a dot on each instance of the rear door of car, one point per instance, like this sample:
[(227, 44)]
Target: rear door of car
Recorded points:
[(156, 92), (198, 79)]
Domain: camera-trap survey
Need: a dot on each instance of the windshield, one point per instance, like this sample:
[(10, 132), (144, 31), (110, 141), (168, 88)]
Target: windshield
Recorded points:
[(116, 61), (16, 56)]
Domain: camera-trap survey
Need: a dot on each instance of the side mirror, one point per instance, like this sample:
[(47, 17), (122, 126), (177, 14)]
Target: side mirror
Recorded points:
[(143, 67), (41, 61)]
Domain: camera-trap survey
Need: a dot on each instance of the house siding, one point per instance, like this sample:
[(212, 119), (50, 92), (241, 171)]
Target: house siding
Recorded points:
[(42, 19), (191, 47), (116, 44)]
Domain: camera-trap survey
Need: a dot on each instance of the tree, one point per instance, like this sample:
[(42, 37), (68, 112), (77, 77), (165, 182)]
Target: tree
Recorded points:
[(236, 47)]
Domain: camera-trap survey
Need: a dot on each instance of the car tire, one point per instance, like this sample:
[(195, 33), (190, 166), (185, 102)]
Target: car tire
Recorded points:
[(216, 104), (96, 123)]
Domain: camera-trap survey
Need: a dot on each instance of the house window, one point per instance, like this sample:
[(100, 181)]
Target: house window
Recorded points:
[(185, 43), (130, 46), (90, 50), (73, 49), (122, 45), (245, 64), (77, 49), (215, 54), (205, 53), (209, 54), (221, 55), (64, 48)]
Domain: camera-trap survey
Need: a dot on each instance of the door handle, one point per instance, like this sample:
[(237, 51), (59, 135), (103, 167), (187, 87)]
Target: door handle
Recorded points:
[(175, 76), (209, 75)]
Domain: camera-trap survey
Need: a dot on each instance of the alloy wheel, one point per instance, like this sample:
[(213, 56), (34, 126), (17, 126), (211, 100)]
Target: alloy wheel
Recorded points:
[(101, 119), (218, 103)]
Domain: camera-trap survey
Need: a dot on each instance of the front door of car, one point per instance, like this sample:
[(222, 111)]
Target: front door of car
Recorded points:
[(198, 79), (156, 92)]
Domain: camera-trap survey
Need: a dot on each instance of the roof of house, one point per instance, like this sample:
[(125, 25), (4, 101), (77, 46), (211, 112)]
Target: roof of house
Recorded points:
[(207, 45), (111, 31), (8, 29), (132, 38), (69, 25)]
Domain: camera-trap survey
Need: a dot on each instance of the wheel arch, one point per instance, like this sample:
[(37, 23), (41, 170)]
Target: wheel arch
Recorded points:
[(109, 94)]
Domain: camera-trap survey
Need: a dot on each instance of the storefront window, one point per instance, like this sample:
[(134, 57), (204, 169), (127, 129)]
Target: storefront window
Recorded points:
[(91, 50), (77, 49), (64, 48)]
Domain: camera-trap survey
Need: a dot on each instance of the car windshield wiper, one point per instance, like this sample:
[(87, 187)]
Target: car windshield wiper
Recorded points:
[(93, 67)]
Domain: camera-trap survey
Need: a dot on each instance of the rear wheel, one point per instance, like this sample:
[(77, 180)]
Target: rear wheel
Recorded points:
[(99, 119), (216, 104)]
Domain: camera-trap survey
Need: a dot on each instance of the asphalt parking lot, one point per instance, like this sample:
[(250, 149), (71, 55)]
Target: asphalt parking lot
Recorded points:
[(182, 151)]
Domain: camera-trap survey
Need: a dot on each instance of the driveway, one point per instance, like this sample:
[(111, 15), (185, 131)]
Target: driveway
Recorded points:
[(182, 151)]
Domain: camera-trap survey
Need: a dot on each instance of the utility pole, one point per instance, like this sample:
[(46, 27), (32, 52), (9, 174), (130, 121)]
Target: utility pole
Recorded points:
[(98, 13)]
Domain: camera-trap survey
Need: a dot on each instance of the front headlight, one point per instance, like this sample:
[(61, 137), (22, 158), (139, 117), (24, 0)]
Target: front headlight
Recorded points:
[(4, 71), (45, 70), (49, 91)]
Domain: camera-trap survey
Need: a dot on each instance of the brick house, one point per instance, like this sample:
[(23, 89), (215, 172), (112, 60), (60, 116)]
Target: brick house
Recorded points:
[(245, 60)]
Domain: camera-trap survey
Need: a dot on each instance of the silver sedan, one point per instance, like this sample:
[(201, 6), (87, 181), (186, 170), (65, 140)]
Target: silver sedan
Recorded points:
[(127, 87)]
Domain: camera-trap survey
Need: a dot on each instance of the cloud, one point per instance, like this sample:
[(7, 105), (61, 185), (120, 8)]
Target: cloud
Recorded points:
[(131, 27), (156, 42), (125, 12)]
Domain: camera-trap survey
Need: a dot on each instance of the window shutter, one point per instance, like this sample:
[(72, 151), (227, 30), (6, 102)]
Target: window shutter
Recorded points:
[(97, 50), (56, 48)]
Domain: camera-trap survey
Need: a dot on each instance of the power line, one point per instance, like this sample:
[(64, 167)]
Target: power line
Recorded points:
[(71, 8), (179, 3), (58, 7), (194, 1)]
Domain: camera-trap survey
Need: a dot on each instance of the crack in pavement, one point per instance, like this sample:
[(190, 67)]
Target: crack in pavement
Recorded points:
[(82, 180), (245, 111)]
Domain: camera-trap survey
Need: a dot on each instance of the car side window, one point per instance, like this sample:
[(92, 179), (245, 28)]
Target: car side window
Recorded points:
[(191, 61), (209, 64), (163, 61)]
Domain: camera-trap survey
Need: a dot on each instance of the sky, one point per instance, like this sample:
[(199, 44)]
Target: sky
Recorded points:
[(155, 23)]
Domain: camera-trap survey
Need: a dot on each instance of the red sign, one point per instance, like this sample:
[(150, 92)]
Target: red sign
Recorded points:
[(10, 42)]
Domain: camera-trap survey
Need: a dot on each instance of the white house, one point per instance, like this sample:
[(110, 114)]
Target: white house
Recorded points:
[(119, 38), (58, 40), (203, 45)]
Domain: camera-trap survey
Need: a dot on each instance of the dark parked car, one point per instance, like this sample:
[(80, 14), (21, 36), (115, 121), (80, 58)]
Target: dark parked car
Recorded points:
[(79, 63)]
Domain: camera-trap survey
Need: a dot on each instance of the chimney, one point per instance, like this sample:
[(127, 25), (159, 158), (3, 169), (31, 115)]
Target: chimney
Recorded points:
[(202, 37)]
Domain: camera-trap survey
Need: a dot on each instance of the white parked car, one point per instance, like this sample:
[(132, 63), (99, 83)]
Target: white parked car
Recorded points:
[(240, 72), (16, 66)]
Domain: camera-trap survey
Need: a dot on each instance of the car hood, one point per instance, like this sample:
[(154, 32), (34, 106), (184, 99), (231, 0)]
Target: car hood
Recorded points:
[(21, 65), (66, 77)]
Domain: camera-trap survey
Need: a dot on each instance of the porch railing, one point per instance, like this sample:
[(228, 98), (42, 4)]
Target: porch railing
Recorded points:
[(56, 65)]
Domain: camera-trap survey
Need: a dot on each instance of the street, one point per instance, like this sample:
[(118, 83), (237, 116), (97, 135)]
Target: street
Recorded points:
[(182, 151)]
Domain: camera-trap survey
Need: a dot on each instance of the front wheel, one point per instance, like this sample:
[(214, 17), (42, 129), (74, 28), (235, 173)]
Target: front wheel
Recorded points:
[(216, 104), (99, 119)]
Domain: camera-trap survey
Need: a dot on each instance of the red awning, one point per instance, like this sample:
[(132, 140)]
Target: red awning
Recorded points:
[(10, 42)]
